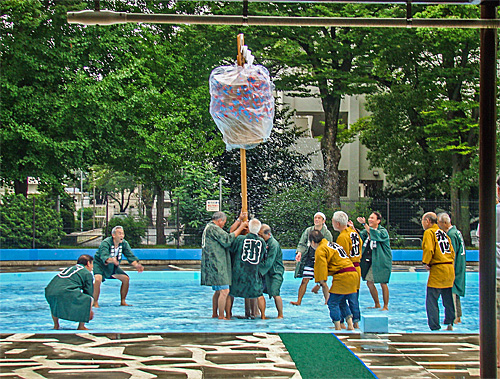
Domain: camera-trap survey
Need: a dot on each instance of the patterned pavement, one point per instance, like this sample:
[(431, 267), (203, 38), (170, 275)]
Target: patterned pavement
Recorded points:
[(193, 356)]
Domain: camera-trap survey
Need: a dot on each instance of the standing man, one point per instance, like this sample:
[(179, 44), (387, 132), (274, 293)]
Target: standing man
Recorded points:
[(272, 268), (248, 254), (377, 243), (457, 241), (331, 259), (305, 255), (350, 241), (438, 256), (69, 293), (215, 259), (107, 263)]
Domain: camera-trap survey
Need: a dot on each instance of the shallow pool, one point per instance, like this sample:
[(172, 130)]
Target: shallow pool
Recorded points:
[(173, 301)]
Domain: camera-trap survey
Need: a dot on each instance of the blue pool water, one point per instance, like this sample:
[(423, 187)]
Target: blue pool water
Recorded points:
[(172, 301)]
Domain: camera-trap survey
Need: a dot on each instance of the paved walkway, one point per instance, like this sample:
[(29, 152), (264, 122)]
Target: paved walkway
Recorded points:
[(192, 356)]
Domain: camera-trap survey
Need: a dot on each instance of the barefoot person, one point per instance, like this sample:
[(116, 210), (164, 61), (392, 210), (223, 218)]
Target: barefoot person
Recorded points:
[(272, 268), (331, 259), (457, 241), (376, 243), (304, 267), (107, 263), (215, 259), (350, 240), (438, 256), (69, 293), (247, 255)]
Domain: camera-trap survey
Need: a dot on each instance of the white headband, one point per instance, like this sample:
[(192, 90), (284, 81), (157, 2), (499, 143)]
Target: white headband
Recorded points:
[(320, 214)]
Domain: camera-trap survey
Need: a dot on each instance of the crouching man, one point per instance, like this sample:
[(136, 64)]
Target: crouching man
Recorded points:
[(69, 293)]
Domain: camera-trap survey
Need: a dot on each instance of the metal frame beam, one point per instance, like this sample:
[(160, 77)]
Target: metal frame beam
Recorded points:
[(104, 17)]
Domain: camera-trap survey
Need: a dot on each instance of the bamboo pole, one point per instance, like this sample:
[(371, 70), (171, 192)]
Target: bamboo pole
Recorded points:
[(243, 152)]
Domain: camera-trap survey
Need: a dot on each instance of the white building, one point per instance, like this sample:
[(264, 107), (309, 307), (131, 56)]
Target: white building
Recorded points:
[(357, 179)]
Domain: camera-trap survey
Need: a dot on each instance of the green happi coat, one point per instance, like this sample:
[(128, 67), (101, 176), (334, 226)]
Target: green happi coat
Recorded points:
[(215, 259), (381, 253), (247, 253), (308, 254), (107, 250), (272, 268), (460, 264), (69, 294)]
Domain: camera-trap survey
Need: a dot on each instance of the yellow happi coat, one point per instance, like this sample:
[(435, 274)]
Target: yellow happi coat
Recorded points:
[(330, 258), (350, 240), (439, 254)]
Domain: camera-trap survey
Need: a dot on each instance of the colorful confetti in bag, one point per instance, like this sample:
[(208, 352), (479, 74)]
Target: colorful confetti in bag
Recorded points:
[(242, 104)]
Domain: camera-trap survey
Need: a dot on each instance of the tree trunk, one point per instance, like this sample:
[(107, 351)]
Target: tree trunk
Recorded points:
[(460, 209), (331, 151), (160, 220), (21, 187)]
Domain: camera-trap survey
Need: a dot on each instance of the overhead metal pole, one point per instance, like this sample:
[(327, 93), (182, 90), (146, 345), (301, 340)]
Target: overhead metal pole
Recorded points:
[(487, 160), (109, 17)]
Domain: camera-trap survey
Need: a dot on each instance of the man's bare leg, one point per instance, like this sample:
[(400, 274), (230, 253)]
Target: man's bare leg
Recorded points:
[(124, 288), (350, 326), (337, 325), (302, 291), (215, 303), (221, 306), (279, 306), (81, 326), (374, 293), (261, 301), (316, 288), (97, 289), (385, 296), (229, 307), (56, 322)]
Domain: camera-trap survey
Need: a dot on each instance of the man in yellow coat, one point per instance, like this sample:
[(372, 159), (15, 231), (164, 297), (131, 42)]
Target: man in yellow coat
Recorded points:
[(350, 240), (332, 260), (438, 255)]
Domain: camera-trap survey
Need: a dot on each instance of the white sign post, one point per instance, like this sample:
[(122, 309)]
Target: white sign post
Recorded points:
[(212, 205)]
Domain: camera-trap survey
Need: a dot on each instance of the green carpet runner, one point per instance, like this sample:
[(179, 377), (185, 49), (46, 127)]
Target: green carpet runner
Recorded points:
[(323, 356)]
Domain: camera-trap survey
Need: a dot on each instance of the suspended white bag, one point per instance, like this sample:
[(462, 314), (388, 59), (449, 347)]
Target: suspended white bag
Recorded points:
[(242, 104)]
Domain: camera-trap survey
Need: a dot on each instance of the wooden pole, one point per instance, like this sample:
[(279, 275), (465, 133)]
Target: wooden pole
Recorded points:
[(243, 155)]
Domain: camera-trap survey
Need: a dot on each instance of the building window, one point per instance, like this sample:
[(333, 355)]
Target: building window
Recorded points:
[(316, 121), (371, 187)]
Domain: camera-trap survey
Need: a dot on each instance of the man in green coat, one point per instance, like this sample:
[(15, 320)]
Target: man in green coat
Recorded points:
[(107, 263), (458, 290), (215, 258), (304, 256), (69, 293), (376, 240), (272, 268), (248, 254)]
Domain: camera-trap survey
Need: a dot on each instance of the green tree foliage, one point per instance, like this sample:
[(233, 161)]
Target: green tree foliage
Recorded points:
[(17, 215), (118, 185), (290, 211), (272, 166), (199, 183), (134, 228), (44, 132), (337, 61), (424, 127)]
